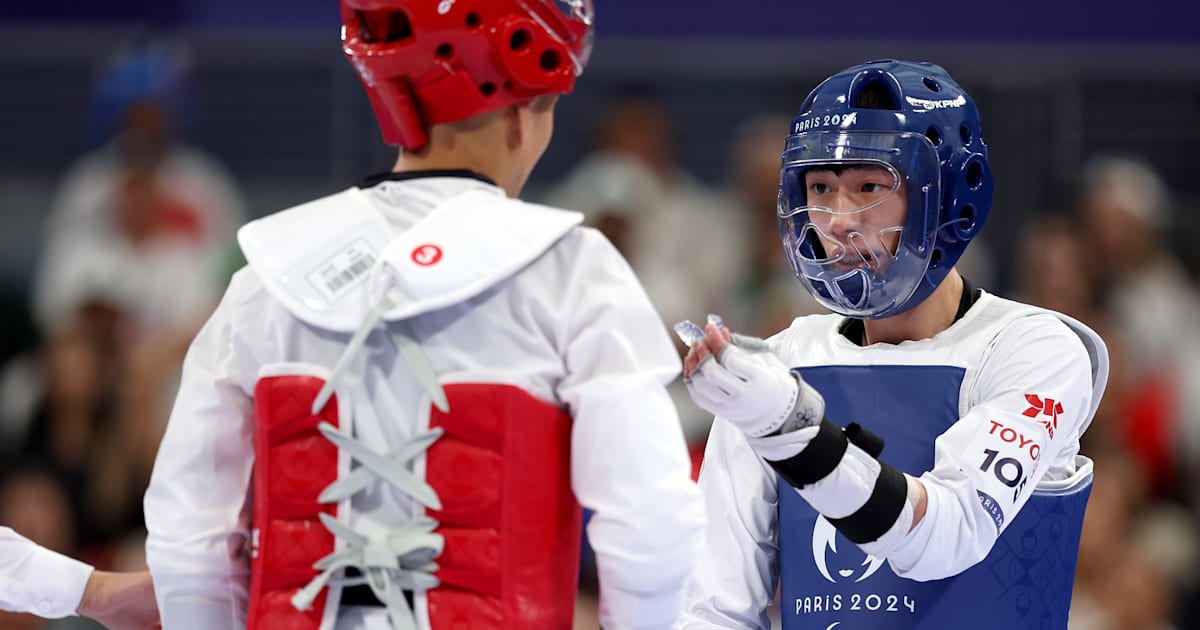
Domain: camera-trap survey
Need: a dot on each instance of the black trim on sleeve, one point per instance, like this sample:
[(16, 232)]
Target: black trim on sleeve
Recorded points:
[(819, 458), (865, 439), (881, 510)]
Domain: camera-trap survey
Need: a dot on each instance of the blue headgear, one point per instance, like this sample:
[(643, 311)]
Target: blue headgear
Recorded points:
[(154, 74), (925, 130)]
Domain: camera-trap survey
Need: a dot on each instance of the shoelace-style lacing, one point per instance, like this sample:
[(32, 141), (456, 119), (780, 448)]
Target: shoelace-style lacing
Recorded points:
[(402, 559)]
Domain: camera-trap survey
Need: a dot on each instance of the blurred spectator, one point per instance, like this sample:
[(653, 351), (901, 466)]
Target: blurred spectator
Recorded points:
[(1123, 581), (33, 502), (680, 239), (75, 431), (137, 254), (1124, 207), (1051, 273), (19, 380), (145, 223), (1112, 268)]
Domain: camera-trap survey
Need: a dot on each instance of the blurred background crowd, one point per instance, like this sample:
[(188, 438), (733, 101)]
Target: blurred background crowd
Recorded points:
[(136, 138)]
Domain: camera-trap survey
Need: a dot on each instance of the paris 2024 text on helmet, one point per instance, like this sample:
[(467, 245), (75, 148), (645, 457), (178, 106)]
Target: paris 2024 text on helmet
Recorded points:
[(426, 62), (908, 133)]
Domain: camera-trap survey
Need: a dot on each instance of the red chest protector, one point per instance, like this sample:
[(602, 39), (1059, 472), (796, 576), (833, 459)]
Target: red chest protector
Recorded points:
[(510, 521)]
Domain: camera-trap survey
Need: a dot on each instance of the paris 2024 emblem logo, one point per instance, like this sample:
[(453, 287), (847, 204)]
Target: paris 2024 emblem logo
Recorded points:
[(838, 566), (847, 566)]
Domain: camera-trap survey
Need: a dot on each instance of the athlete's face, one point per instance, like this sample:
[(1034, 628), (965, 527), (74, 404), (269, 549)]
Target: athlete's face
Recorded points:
[(858, 213)]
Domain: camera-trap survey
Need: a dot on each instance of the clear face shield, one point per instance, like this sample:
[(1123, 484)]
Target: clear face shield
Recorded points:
[(581, 10), (858, 216), (572, 21)]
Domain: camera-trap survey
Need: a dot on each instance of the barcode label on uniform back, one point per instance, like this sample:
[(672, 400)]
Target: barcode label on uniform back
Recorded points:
[(344, 271)]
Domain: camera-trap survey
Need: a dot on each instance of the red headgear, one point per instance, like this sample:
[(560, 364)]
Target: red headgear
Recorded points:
[(426, 62)]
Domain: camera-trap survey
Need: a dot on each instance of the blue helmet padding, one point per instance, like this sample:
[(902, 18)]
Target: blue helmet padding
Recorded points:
[(926, 101)]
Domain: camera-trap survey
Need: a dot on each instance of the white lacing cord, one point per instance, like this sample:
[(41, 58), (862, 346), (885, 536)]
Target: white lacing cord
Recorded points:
[(352, 347), (406, 344), (390, 467), (403, 558), (391, 563), (418, 363)]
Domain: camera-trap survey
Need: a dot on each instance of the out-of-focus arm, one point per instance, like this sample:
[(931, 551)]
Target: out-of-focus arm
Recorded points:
[(734, 579), (629, 463), (35, 580), (195, 513)]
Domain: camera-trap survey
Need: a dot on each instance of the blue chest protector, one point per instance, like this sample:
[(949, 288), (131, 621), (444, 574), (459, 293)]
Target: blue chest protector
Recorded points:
[(829, 583)]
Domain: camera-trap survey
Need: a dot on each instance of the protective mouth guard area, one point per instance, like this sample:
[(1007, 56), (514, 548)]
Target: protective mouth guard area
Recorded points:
[(688, 332)]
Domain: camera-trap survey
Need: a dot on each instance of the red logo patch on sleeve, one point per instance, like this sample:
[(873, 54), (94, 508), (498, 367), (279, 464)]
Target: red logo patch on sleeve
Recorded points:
[(1048, 407)]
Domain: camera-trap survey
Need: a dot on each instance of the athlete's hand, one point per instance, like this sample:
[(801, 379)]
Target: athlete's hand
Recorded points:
[(739, 379), (121, 601)]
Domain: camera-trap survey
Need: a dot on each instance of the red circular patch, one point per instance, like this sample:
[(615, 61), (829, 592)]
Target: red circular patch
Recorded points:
[(427, 254)]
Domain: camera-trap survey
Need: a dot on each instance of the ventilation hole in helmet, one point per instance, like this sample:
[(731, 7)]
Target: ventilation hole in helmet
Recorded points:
[(445, 51), (520, 40), (966, 134), (473, 20), (488, 89), (376, 27), (875, 94), (974, 175), (967, 224), (935, 136), (935, 258), (364, 27), (932, 84), (508, 85), (551, 60)]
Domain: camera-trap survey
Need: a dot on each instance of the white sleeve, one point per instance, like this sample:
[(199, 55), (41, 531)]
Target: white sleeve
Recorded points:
[(35, 580), (195, 505), (735, 576), (1032, 400), (629, 462)]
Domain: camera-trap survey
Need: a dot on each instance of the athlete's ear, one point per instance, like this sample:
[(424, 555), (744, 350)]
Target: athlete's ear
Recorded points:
[(522, 118), (514, 126)]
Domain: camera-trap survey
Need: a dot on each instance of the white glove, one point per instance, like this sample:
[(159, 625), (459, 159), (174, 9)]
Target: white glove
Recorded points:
[(749, 386)]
